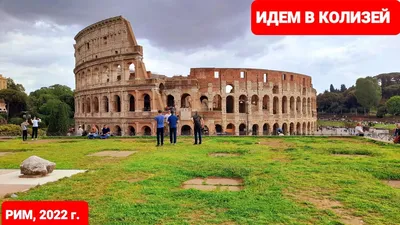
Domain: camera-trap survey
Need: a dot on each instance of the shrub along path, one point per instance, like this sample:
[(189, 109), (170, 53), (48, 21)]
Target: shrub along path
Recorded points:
[(294, 180)]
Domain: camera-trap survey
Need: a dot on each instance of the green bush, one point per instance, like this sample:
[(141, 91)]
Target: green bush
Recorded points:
[(16, 121), (15, 130)]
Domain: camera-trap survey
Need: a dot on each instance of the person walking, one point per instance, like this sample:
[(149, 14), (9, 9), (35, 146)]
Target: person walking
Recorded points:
[(24, 127), (35, 127), (198, 125), (172, 122), (160, 128)]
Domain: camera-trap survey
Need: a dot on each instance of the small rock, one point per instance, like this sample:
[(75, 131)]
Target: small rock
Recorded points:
[(35, 165), (14, 196)]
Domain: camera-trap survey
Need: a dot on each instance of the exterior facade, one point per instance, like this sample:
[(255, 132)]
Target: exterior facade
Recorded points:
[(3, 85), (114, 88)]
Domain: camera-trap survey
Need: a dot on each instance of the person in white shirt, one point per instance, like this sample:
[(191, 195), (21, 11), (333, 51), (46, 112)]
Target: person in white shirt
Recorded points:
[(166, 127), (359, 130), (35, 127), (79, 132)]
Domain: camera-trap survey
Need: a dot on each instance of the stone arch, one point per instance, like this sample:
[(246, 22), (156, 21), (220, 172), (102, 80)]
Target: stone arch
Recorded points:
[(266, 102), (242, 129), (275, 128), (106, 74), (97, 75), (243, 104), (304, 128), (217, 103), (266, 129), (83, 106), (230, 129), (132, 71), (308, 128), (276, 105), (284, 105), (186, 101), (308, 106), (88, 109), (254, 130), (131, 103), (205, 131), (298, 129), (186, 130), (161, 88), (304, 106), (218, 129), (229, 89), (117, 103), (230, 104), (275, 89), (254, 103), (96, 104), (146, 131), (285, 128), (298, 105), (117, 131), (204, 103), (131, 131), (118, 70), (146, 103), (105, 101), (291, 129), (292, 105), (170, 101)]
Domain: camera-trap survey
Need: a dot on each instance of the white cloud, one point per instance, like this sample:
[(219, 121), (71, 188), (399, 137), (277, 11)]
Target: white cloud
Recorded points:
[(43, 56)]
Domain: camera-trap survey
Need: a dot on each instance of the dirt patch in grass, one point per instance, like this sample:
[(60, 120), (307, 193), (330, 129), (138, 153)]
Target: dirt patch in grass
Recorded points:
[(5, 153), (393, 183), (277, 144), (214, 183), (113, 153), (224, 154), (282, 159), (324, 203)]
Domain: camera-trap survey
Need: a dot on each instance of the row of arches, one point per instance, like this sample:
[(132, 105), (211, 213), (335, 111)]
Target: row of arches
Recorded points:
[(105, 74), (284, 105), (305, 128)]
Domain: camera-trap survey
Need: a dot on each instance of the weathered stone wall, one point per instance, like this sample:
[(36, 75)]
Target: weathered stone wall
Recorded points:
[(114, 88)]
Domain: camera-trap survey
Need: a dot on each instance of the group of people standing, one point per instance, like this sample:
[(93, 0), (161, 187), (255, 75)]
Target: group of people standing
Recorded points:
[(35, 128), (170, 120)]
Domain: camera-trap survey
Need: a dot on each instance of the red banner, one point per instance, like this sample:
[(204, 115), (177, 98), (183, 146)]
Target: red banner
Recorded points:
[(325, 17), (45, 213)]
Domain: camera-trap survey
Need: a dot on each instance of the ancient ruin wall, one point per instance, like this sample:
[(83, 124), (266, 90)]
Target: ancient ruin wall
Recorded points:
[(114, 88)]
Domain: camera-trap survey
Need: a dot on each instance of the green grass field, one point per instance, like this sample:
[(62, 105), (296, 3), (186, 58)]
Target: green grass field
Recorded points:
[(288, 180)]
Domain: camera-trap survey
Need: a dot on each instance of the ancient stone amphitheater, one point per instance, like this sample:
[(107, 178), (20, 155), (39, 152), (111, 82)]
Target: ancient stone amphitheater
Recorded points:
[(114, 88)]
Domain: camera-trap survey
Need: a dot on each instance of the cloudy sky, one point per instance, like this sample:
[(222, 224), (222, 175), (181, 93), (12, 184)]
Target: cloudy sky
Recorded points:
[(36, 41)]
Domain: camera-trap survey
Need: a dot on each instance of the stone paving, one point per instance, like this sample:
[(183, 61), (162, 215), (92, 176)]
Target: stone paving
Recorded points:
[(214, 183), (11, 182)]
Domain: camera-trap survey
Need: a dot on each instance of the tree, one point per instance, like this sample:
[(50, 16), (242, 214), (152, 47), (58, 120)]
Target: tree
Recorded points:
[(382, 111), (332, 88), (15, 100), (59, 118), (368, 92), (343, 88), (12, 85), (391, 90), (393, 105)]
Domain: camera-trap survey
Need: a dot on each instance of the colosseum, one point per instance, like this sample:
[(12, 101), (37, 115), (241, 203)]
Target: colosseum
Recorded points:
[(114, 88)]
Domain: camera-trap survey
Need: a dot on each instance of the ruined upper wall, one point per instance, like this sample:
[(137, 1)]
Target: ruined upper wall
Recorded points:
[(107, 38)]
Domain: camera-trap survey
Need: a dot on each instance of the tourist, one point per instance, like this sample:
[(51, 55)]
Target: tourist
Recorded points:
[(79, 132), (105, 132), (359, 130), (35, 127), (279, 132), (167, 115), (160, 128), (396, 138), (172, 122), (198, 123), (24, 127), (93, 132)]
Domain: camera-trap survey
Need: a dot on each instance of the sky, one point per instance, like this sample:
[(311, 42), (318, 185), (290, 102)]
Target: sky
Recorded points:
[(37, 37)]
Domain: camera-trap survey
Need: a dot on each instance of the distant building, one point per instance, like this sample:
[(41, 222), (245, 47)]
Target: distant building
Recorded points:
[(3, 85)]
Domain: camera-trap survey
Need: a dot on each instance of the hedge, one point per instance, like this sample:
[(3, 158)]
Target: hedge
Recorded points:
[(15, 130)]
